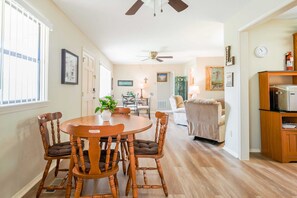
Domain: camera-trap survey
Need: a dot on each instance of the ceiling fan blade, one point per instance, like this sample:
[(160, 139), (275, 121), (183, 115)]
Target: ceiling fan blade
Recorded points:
[(145, 59), (159, 60), (165, 57), (178, 5), (134, 8)]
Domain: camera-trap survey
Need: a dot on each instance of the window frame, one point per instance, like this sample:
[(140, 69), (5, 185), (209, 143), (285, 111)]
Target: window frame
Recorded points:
[(43, 50)]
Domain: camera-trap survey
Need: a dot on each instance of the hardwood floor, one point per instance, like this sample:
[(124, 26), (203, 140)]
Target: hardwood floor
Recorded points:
[(199, 168)]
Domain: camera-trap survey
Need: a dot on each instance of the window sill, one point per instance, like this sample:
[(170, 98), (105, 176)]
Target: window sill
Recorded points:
[(22, 107)]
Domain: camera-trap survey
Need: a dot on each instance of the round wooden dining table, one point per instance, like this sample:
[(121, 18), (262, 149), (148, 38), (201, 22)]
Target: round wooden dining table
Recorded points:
[(133, 124)]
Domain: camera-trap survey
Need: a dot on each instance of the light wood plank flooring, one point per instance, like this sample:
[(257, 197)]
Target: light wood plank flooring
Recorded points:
[(199, 168)]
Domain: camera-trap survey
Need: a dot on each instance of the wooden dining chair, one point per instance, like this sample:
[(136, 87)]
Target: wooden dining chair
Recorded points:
[(147, 149), (54, 149), (123, 145), (95, 163)]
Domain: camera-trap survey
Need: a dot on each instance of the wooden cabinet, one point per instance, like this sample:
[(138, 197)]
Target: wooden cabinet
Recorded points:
[(277, 142)]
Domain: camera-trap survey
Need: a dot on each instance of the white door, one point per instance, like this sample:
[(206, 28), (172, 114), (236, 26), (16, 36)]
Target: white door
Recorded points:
[(164, 90), (88, 85)]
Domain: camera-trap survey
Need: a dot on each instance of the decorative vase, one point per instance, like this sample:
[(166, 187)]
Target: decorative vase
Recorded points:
[(105, 115)]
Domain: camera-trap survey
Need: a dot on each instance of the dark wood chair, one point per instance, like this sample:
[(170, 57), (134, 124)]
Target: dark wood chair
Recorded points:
[(130, 102), (95, 163), (124, 145), (148, 149), (54, 149), (143, 104)]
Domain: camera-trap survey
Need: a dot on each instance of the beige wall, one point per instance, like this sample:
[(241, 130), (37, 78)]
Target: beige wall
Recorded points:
[(198, 67), (137, 73), (237, 97), (21, 150), (278, 43)]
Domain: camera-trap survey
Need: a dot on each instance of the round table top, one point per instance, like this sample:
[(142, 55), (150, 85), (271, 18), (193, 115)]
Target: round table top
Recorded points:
[(133, 124)]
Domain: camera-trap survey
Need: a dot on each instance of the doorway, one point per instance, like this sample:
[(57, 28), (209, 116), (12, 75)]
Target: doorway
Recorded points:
[(88, 85), (165, 87)]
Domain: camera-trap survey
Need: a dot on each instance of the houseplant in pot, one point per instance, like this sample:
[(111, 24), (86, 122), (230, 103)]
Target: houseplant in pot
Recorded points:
[(106, 106)]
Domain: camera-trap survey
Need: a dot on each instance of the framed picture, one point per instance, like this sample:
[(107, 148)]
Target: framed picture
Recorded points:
[(214, 78), (230, 60), (69, 68), (128, 83), (161, 77), (229, 79)]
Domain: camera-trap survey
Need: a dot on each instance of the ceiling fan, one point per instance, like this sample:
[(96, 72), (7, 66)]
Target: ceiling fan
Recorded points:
[(178, 5), (153, 55)]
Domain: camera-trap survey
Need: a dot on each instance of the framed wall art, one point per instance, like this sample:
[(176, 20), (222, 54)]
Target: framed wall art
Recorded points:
[(161, 77), (230, 60), (69, 68), (230, 79), (127, 83), (214, 78)]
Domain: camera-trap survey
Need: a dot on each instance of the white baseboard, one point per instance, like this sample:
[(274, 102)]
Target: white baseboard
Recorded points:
[(31, 184), (230, 151), (255, 150)]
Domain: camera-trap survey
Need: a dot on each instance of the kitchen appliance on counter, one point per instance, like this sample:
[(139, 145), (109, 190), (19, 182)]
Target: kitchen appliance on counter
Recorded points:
[(283, 97)]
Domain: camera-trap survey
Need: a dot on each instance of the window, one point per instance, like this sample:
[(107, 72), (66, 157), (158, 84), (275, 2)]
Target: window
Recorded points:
[(23, 55), (105, 82)]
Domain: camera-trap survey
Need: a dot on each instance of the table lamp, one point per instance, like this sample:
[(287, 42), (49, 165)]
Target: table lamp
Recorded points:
[(141, 86), (194, 91)]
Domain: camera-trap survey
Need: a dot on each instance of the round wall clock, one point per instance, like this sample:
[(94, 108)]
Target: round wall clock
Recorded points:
[(261, 51)]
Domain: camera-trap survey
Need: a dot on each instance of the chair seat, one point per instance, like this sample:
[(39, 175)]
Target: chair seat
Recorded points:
[(105, 139), (145, 147), (101, 161), (60, 149)]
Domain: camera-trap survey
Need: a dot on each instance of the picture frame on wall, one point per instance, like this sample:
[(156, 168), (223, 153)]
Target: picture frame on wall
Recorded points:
[(214, 78), (69, 68), (230, 79), (126, 83), (162, 77)]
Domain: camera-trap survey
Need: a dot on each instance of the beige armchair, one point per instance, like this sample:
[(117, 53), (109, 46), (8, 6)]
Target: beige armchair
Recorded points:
[(205, 119), (178, 110)]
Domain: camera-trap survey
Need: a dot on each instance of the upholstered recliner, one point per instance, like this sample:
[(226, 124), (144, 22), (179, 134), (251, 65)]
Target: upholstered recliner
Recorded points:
[(178, 110), (205, 119)]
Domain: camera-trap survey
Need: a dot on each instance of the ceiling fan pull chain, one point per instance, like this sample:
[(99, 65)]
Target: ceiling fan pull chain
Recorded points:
[(154, 8), (161, 6)]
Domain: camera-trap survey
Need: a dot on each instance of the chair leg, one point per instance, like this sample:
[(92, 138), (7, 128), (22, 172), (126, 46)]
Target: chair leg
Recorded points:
[(47, 167), (57, 167), (128, 186), (126, 148), (123, 156), (112, 186), (78, 187), (136, 163), (117, 185), (162, 177)]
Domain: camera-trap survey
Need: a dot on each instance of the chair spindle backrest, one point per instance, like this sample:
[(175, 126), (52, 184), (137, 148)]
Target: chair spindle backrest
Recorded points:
[(94, 134), (161, 128), (53, 120), (122, 110)]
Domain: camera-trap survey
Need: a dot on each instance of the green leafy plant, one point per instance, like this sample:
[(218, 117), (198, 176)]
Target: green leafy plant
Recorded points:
[(106, 103)]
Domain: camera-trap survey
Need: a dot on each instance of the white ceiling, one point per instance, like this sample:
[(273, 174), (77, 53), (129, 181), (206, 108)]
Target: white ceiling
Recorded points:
[(196, 31)]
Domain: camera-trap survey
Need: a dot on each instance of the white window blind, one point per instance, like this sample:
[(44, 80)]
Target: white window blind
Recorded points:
[(24, 47), (105, 82)]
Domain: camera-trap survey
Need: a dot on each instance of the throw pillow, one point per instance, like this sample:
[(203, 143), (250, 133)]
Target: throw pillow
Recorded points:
[(179, 101)]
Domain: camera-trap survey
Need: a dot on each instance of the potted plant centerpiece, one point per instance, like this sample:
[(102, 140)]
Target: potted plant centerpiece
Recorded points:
[(106, 106)]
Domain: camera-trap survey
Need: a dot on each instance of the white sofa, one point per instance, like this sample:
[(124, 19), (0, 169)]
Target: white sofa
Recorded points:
[(178, 110)]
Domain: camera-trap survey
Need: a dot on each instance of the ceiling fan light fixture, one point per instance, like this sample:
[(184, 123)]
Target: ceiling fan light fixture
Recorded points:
[(178, 5)]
